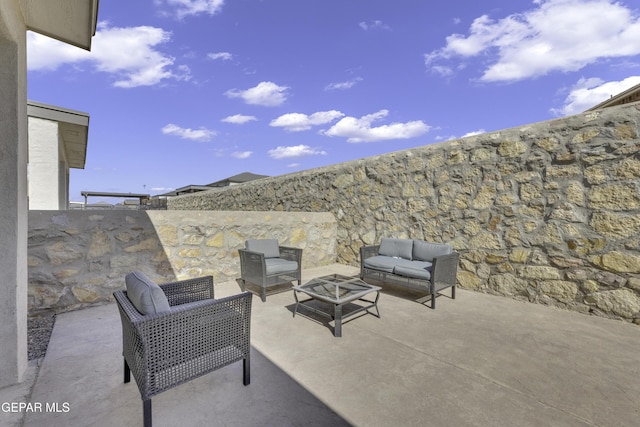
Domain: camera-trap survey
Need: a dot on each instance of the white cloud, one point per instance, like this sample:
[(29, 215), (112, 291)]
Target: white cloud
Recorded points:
[(558, 35), (587, 93), (360, 130), (343, 85), (474, 133), (452, 137), (238, 119), (130, 55), (224, 56), (373, 25), (296, 122), (267, 94), (444, 71), (242, 154), (445, 138), (295, 151), (201, 134), (182, 8)]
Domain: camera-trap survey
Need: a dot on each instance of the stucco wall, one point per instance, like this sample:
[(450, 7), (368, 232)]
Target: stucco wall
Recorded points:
[(78, 258), (44, 166), (13, 187), (548, 212)]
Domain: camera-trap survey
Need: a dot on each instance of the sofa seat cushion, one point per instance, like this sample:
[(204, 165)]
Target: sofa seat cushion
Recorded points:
[(381, 263), (417, 270), (427, 251), (145, 295), (279, 265), (402, 248), (399, 266)]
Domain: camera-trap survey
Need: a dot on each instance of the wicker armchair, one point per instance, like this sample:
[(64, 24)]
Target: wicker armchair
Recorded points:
[(196, 336), (265, 263)]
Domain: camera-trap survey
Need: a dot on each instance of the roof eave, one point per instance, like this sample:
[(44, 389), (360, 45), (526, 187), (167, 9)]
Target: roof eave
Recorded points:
[(70, 21)]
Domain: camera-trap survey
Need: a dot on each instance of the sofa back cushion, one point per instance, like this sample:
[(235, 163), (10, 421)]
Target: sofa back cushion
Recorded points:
[(401, 248), (145, 295), (426, 251), (269, 247)]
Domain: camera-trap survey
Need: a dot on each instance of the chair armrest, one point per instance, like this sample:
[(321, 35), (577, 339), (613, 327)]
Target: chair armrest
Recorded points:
[(368, 251), (250, 256), (445, 268), (252, 266), (212, 324), (291, 254), (186, 291)]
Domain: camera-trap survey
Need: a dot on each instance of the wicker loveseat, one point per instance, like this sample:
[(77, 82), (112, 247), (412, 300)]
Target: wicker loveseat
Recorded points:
[(175, 332), (416, 264)]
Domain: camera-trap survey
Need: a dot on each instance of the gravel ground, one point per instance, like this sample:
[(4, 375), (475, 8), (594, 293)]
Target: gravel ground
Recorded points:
[(39, 331)]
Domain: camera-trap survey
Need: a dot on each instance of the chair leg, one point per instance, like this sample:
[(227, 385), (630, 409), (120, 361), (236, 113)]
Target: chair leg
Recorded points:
[(127, 372), (243, 285), (246, 371), (433, 300), (146, 411), (263, 294), (453, 292)]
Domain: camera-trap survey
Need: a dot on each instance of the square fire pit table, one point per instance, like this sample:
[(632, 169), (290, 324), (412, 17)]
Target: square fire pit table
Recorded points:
[(337, 290)]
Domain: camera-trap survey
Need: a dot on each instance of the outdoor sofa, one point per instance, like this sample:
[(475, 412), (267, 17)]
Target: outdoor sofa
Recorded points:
[(175, 332), (415, 264)]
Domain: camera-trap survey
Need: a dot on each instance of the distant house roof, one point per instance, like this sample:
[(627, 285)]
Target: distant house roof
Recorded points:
[(187, 189), (232, 180), (629, 95), (73, 126), (143, 198), (237, 179)]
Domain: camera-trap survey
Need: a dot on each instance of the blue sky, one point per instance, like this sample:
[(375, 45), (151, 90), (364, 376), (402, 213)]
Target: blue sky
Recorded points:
[(187, 92)]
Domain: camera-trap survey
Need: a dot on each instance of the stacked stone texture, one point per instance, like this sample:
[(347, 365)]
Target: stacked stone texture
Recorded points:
[(547, 213), (78, 258)]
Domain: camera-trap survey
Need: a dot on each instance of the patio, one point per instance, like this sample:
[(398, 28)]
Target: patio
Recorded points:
[(478, 360)]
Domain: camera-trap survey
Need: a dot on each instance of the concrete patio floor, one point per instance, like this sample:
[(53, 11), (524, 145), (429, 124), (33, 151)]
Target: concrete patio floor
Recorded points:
[(478, 360)]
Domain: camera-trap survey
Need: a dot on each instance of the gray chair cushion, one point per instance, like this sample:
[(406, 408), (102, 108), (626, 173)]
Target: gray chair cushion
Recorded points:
[(402, 248), (279, 265), (427, 251), (145, 295), (269, 247)]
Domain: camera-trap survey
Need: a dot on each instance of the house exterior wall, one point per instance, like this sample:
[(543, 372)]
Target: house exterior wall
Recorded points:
[(47, 166), (547, 213), (13, 187)]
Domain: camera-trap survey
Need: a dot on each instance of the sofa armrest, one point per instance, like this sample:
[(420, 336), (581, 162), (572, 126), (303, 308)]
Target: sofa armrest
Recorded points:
[(444, 270), (368, 252), (190, 290)]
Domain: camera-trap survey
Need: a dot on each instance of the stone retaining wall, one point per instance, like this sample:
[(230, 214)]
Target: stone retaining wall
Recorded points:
[(78, 258), (548, 212)]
